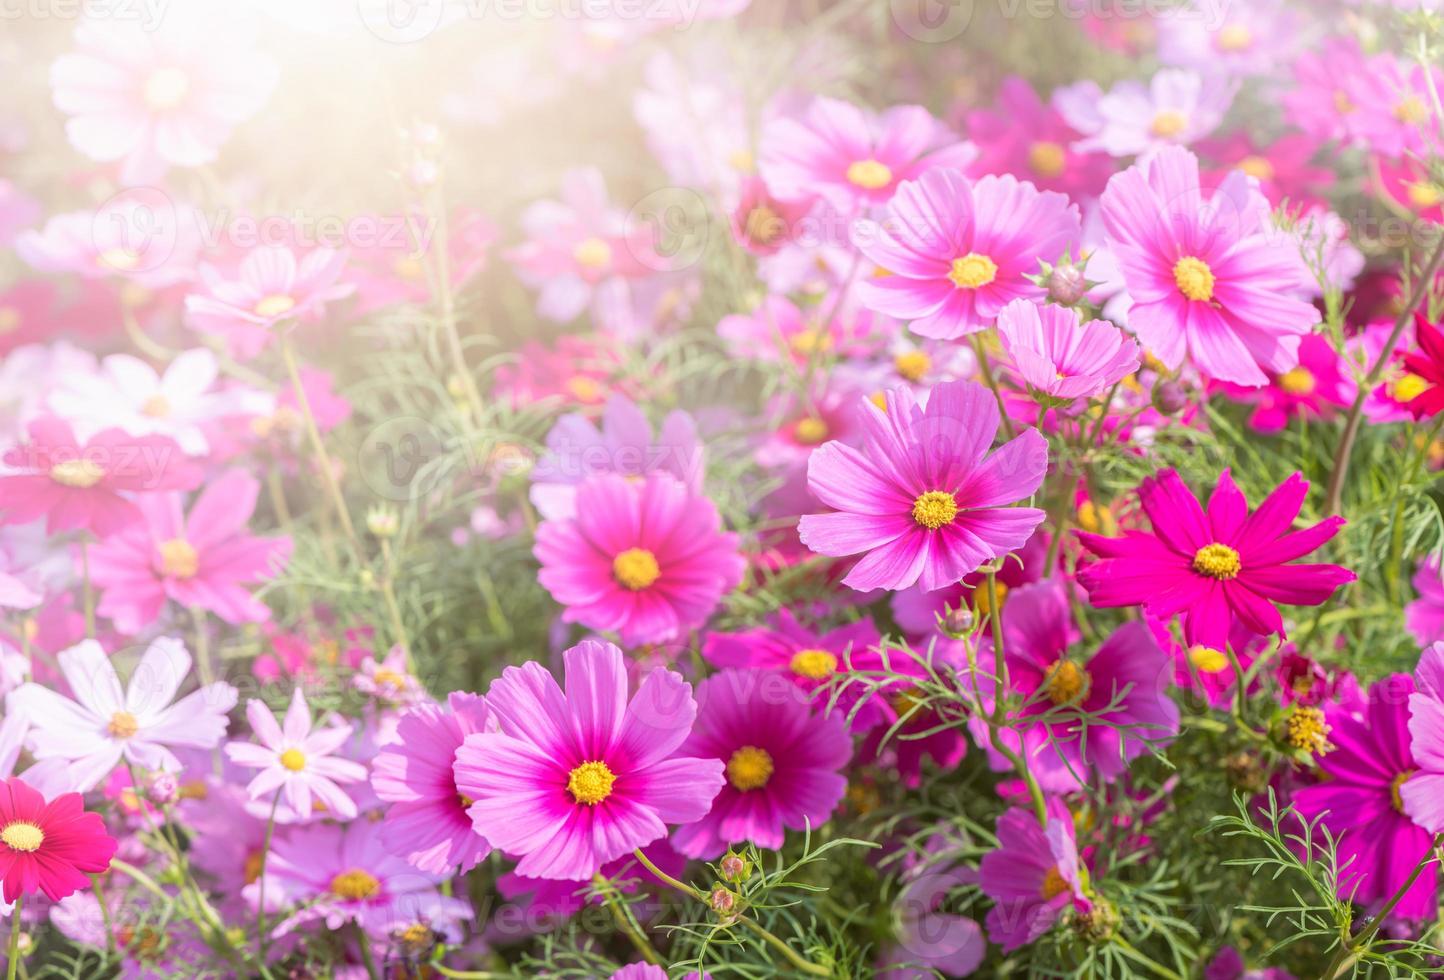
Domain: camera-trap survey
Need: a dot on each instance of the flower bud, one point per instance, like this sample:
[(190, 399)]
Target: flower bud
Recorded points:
[(382, 521), (958, 622), (1169, 397), (1066, 285), (735, 867), (725, 902), (163, 789)]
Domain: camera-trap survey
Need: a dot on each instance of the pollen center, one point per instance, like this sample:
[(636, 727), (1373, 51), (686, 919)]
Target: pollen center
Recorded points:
[(1299, 381), (810, 431), (1207, 660), (166, 88), (1168, 123), (293, 759), (1406, 388), (972, 271), (1307, 729), (593, 253), (1235, 38), (635, 569), (1066, 682), (9, 319), (935, 509), (983, 601), (1257, 167), (1411, 111), (81, 474), (355, 885), (763, 225), (913, 365), (1054, 884), (1194, 278), (869, 174), (810, 341), (277, 304), (1047, 158), (22, 836), (590, 783), (1217, 561), (1396, 785), (155, 407), (178, 558), (118, 259), (749, 768), (815, 664), (122, 725)]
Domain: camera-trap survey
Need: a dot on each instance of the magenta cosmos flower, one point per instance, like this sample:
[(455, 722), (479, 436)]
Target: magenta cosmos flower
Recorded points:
[(646, 560), (1207, 278), (1214, 564), (852, 158), (955, 252), (1059, 357), (1424, 617), (783, 762), (924, 498), (1024, 135), (1031, 877), (77, 486), (202, 560), (1422, 793), (297, 760), (426, 822), (50, 847), (576, 778)]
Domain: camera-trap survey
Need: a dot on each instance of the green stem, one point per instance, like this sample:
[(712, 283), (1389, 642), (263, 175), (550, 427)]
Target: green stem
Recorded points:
[(104, 914), (1351, 950), (366, 957), (996, 724), (625, 922), (992, 382), (89, 590), (14, 963), (1133, 954), (261, 882), (318, 448)]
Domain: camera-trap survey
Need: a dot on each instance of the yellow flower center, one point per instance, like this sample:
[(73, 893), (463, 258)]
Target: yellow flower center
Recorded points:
[(1342, 103), (935, 509), (355, 885), (9, 319), (1048, 159), (388, 678), (156, 407), (972, 271), (592, 253), (1216, 561), (815, 664), (983, 600), (1423, 194), (810, 341), (810, 431), (763, 225), (1397, 785), (584, 389), (122, 725), (1194, 278), (1095, 519), (1066, 682), (742, 161), (22, 836), (81, 474), (913, 365), (635, 569), (1168, 124), (1411, 111), (1306, 729), (118, 259), (293, 759), (251, 870), (178, 558), (1054, 884), (166, 88), (1257, 167), (869, 174), (590, 783), (1408, 387), (277, 304), (1207, 660), (1235, 38), (1299, 381), (749, 768)]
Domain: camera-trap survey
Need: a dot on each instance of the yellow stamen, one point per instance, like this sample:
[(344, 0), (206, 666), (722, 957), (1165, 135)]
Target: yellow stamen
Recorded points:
[(1397, 785), (810, 431), (869, 174), (1066, 682), (1217, 561), (913, 365), (749, 768), (166, 88), (277, 304), (22, 836), (763, 225), (1299, 381), (1408, 387), (593, 253), (355, 885), (935, 509), (814, 664), (1234, 38), (82, 474), (1306, 729), (9, 319), (1207, 660), (1048, 159), (810, 341), (584, 389), (1054, 884), (742, 161), (1422, 194), (178, 559), (122, 725), (1194, 278), (1257, 167), (1411, 111), (973, 271), (590, 783), (293, 759), (635, 569), (156, 407), (1168, 124)]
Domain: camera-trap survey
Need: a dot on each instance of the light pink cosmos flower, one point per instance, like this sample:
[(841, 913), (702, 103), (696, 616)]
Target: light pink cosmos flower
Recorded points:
[(1026, 136), (201, 560), (1207, 281), (271, 286), (1061, 358), (1424, 617), (1390, 100), (104, 725), (152, 243), (389, 679), (1320, 103), (925, 499), (1175, 108), (1032, 876), (297, 760), (578, 777), (1247, 39), (852, 158), (76, 485), (779, 330), (956, 252), (156, 98)]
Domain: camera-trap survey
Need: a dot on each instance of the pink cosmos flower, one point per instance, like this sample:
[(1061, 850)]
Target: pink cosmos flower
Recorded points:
[(1391, 99), (1026, 136), (1424, 617), (77, 486), (1365, 771), (778, 330), (1284, 168), (782, 762), (149, 243), (427, 821), (761, 223), (1320, 104), (576, 778), (49, 846), (200, 560), (1315, 389), (1215, 564), (17, 210), (104, 725), (1206, 280), (1419, 791), (956, 252), (1247, 39), (648, 561), (576, 370), (297, 760), (925, 499), (389, 680), (1175, 108), (1406, 185), (154, 98), (577, 450), (1058, 356), (271, 286), (852, 158), (1031, 877)]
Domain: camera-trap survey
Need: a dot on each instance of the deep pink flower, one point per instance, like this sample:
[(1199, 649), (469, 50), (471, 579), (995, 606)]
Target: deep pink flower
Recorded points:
[(426, 822), (646, 560), (49, 847), (781, 760), (272, 285), (1421, 792), (1424, 617), (1284, 168), (1207, 279), (1026, 136), (1031, 877), (1315, 389), (925, 499), (761, 223), (1427, 365), (77, 486), (1215, 564), (778, 330), (852, 158), (1060, 357), (956, 251), (200, 560), (576, 778)]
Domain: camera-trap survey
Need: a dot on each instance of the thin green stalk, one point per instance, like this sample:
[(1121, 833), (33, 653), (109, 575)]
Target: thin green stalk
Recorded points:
[(318, 448), (14, 963), (992, 382), (626, 923), (261, 882), (88, 588), (366, 957), (1350, 951), (104, 914)]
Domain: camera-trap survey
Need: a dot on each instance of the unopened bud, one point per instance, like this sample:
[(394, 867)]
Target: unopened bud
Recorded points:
[(164, 789), (1067, 285), (724, 901), (957, 622), (1169, 397), (382, 521), (735, 867)]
